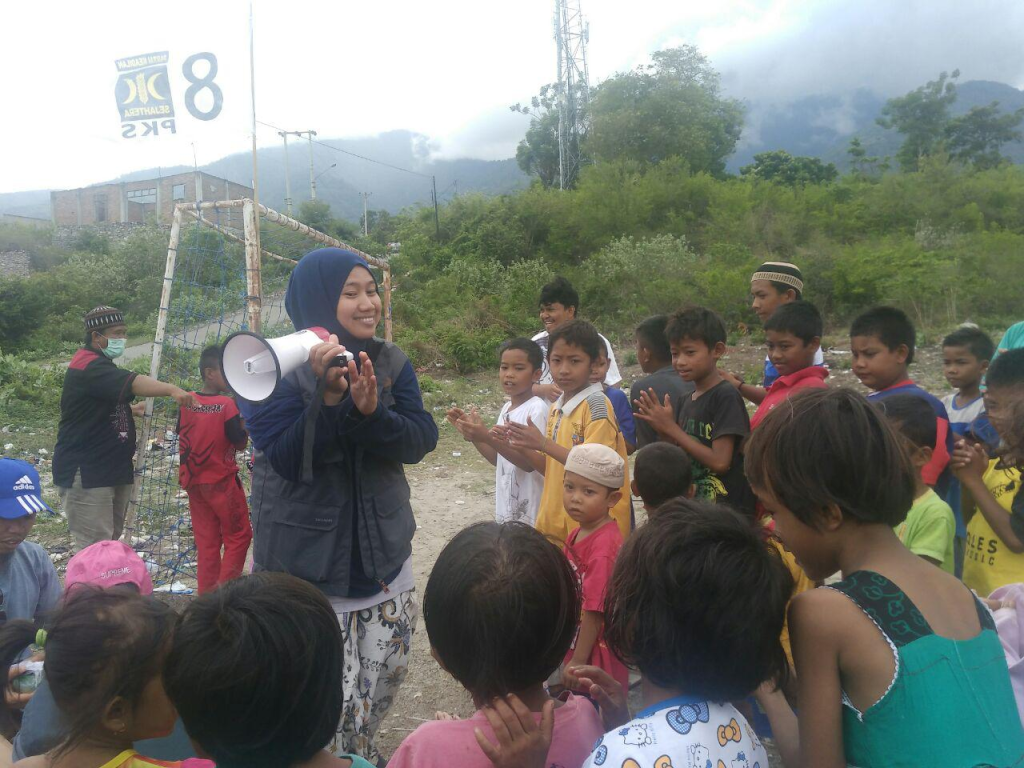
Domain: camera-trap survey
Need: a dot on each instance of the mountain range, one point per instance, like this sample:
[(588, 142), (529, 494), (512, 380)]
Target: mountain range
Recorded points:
[(817, 126), (822, 126)]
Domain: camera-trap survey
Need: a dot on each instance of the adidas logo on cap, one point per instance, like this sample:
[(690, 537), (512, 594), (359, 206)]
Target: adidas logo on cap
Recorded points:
[(24, 483)]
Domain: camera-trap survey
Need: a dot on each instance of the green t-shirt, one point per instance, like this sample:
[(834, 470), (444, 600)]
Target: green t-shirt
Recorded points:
[(928, 530)]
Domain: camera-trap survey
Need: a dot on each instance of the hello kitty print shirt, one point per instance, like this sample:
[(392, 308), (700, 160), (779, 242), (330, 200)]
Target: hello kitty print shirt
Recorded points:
[(684, 732)]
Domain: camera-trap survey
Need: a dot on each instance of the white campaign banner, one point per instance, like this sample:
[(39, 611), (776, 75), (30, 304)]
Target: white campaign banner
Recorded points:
[(185, 83)]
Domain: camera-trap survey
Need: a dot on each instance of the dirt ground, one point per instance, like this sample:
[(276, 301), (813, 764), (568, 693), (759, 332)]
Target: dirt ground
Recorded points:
[(451, 488)]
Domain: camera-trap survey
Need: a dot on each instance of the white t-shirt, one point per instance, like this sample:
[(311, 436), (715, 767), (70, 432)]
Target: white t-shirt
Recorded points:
[(690, 734), (612, 378), (517, 492)]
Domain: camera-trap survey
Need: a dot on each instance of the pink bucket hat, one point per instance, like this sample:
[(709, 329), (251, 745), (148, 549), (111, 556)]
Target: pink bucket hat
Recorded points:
[(107, 563)]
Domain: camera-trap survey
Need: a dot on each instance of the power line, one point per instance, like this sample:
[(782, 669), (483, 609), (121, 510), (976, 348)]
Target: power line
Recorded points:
[(353, 154)]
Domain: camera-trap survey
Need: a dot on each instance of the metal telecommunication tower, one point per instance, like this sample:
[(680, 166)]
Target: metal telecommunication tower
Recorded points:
[(571, 37)]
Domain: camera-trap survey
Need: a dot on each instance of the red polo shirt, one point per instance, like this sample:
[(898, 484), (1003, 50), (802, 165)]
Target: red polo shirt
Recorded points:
[(784, 386)]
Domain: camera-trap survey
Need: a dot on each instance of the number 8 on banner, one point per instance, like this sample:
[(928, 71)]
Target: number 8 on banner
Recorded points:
[(199, 83)]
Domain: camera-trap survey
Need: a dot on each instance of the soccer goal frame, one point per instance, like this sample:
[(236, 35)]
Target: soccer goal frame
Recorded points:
[(255, 218)]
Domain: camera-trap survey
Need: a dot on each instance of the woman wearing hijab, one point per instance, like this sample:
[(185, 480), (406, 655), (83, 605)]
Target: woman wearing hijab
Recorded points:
[(330, 502)]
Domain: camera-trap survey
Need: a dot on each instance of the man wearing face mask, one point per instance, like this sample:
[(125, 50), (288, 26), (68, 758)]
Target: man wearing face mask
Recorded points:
[(93, 461)]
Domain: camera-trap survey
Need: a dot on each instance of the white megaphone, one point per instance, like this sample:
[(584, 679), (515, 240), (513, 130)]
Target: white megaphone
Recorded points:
[(253, 366)]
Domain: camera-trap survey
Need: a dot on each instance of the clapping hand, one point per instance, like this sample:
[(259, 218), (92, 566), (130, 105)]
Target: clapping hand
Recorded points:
[(525, 436), (472, 427), (969, 461), (454, 416), (658, 415), (363, 385)]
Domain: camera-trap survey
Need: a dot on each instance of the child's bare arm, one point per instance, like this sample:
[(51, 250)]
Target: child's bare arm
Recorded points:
[(816, 629), (472, 429), (586, 639), (235, 433), (528, 437), (528, 461), (751, 392), (785, 731)]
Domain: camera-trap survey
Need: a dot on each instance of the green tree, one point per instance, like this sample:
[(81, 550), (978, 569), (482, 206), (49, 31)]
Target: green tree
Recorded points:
[(537, 153), (863, 165), (977, 137), (921, 116), (672, 107), (24, 305), (316, 214), (783, 168)]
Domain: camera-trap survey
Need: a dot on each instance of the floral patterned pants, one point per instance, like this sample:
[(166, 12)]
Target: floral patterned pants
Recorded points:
[(375, 643)]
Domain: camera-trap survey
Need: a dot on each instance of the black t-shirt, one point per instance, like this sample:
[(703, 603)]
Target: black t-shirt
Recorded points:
[(664, 382), (97, 431), (717, 413)]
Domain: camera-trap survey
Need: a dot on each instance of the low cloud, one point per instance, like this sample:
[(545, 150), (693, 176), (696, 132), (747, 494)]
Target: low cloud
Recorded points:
[(491, 135), (884, 46)]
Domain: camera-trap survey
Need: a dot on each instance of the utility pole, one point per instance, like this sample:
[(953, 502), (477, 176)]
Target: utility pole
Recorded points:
[(366, 219), (433, 194), (287, 179), (312, 179)]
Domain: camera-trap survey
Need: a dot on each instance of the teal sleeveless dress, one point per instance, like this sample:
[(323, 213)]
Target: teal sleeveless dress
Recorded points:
[(949, 703)]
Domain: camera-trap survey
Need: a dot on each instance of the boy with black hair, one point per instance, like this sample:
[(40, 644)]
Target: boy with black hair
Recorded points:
[(519, 475), (713, 420), (882, 342), (995, 533), (286, 715), (209, 434), (655, 359), (793, 337), (966, 354), (560, 303), (581, 414), (661, 471), (929, 529), (774, 284)]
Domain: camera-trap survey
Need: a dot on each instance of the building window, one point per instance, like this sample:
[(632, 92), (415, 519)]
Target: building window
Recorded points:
[(101, 209), (178, 192), (142, 195)]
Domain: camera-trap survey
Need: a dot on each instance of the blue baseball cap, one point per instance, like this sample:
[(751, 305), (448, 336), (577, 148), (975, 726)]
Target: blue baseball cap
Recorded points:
[(19, 490)]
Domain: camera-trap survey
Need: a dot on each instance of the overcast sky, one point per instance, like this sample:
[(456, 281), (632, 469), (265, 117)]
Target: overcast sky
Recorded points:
[(447, 69)]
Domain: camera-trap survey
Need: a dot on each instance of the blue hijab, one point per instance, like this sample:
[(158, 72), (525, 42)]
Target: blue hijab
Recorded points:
[(314, 289)]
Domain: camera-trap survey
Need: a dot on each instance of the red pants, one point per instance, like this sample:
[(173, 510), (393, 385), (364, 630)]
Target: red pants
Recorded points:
[(220, 517)]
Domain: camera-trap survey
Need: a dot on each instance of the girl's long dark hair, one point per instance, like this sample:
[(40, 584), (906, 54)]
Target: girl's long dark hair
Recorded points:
[(102, 644)]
